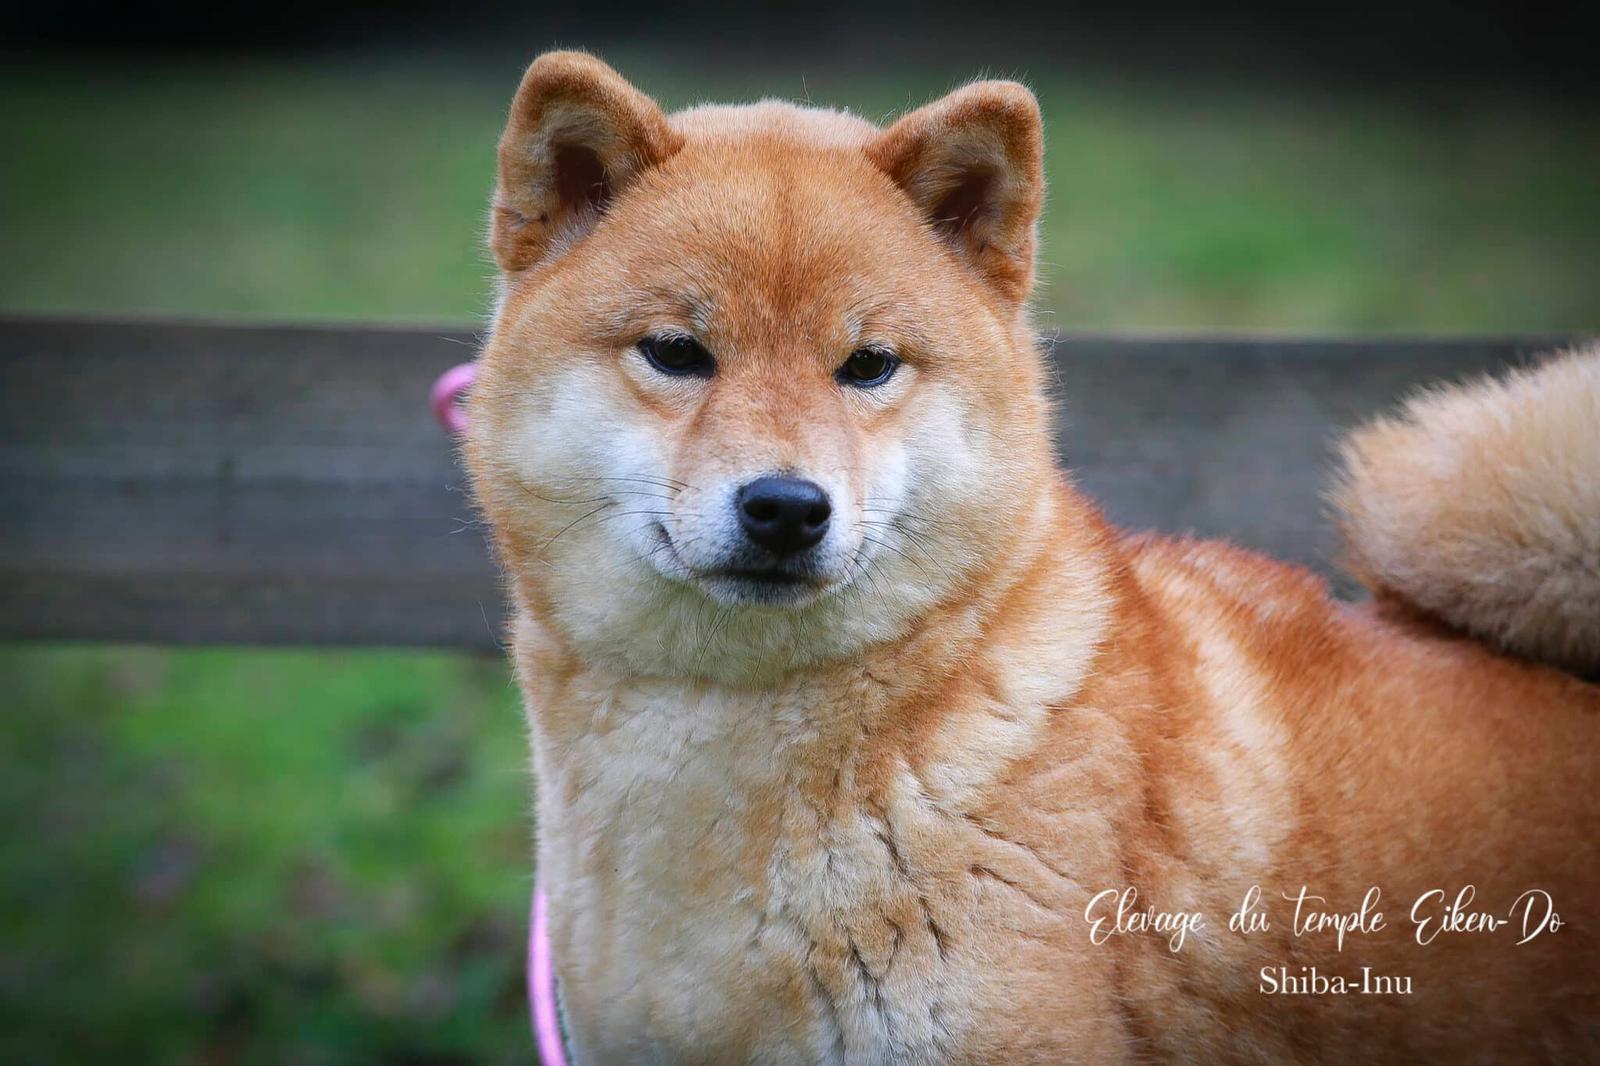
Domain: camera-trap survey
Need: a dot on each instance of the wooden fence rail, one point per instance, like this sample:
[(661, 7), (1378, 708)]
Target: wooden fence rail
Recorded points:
[(193, 483)]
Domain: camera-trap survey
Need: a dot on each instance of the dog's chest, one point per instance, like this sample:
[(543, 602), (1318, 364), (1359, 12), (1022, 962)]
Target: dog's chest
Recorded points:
[(727, 887)]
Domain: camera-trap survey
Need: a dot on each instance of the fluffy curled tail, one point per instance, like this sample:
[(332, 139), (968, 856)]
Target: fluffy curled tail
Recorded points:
[(1479, 504)]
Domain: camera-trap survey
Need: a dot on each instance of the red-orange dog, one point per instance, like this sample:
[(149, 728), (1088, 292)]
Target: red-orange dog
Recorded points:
[(862, 738)]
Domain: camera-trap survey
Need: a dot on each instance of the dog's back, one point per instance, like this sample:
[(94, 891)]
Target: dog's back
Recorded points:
[(1345, 748)]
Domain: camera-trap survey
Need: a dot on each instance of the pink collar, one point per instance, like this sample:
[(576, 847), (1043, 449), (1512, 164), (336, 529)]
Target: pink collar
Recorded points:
[(444, 399), (542, 986)]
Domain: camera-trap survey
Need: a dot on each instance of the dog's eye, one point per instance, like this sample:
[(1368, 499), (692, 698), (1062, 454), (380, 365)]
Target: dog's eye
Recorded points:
[(678, 355), (867, 367)]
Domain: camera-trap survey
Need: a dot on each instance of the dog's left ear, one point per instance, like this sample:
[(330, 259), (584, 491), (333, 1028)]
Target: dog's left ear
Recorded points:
[(973, 163)]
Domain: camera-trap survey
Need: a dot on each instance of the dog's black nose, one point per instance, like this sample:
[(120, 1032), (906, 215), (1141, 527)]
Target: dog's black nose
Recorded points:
[(784, 514)]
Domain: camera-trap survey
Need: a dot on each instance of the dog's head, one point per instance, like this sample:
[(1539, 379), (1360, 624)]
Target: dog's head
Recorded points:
[(759, 389)]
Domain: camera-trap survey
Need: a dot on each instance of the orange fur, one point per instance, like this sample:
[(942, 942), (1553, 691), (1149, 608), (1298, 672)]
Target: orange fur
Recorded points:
[(863, 826)]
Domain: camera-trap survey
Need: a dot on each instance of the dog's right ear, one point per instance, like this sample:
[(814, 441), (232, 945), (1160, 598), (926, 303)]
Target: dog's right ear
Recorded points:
[(578, 134)]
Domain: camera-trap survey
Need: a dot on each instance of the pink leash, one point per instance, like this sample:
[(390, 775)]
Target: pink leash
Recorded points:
[(445, 401), (542, 987)]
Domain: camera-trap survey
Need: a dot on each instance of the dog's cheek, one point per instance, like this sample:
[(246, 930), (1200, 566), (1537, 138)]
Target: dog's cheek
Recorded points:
[(889, 483), (563, 432), (951, 481), (557, 445)]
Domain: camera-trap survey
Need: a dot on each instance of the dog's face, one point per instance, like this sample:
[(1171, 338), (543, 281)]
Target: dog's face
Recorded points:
[(758, 391)]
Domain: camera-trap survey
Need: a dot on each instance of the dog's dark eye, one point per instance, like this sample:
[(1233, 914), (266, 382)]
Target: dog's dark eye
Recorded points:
[(867, 367), (678, 355)]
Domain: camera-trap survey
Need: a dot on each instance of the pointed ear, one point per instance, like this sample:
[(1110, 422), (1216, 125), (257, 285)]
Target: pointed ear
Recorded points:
[(578, 134), (973, 163)]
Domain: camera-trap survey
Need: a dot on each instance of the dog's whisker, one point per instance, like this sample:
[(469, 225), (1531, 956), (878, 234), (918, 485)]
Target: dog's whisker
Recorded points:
[(886, 546), (717, 624), (659, 482), (569, 526), (555, 499)]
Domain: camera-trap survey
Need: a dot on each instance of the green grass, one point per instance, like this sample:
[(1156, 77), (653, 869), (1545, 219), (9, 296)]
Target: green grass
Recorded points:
[(262, 857)]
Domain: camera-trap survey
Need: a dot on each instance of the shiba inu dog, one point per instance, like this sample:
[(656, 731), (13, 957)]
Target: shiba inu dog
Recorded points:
[(848, 710)]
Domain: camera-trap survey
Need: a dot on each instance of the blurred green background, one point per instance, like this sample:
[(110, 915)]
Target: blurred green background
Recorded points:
[(224, 856), (356, 186)]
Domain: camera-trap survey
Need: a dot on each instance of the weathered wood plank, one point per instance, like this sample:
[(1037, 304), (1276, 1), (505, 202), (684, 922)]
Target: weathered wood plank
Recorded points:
[(193, 483), (1235, 438), (196, 484)]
